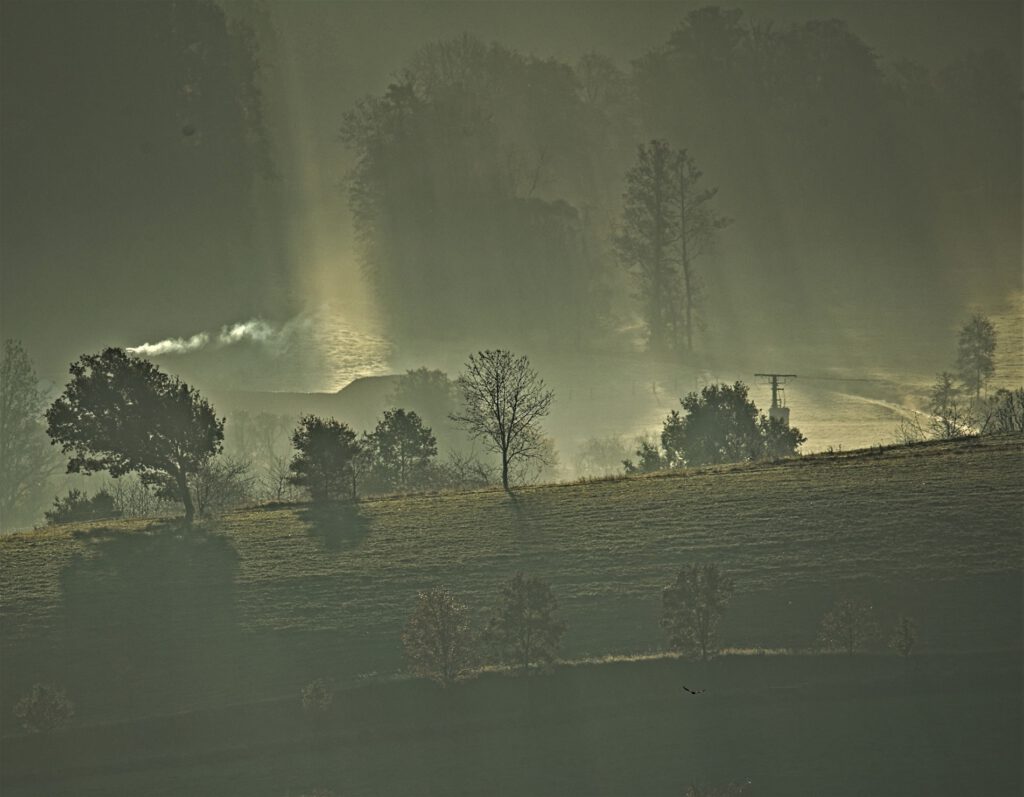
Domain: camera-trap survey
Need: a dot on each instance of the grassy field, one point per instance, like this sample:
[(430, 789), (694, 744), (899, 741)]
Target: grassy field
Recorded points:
[(140, 621), (787, 725)]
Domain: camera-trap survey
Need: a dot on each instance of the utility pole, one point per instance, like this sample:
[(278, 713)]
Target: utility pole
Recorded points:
[(778, 410)]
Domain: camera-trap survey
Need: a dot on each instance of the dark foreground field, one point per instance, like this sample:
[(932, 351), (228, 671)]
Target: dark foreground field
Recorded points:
[(184, 650), (788, 725)]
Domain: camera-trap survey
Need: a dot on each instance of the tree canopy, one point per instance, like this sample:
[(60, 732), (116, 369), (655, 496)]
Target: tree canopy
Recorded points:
[(325, 458), (401, 450), (723, 425), (122, 414), (692, 606)]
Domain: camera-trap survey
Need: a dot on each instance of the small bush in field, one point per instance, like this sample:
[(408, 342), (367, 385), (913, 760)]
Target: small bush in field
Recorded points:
[(523, 630), (44, 709), (439, 642), (317, 697), (692, 607)]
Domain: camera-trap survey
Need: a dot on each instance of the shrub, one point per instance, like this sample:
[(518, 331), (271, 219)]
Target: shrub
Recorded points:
[(438, 639), (44, 709), (77, 506), (524, 630), (1003, 413)]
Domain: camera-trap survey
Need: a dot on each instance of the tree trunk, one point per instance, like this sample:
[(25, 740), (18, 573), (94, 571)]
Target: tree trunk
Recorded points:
[(687, 282), (185, 495), (504, 470)]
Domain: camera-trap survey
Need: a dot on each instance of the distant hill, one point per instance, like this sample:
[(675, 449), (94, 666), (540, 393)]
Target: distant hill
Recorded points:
[(358, 404)]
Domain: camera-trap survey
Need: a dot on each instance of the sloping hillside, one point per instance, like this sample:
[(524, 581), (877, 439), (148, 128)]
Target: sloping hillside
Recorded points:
[(262, 599)]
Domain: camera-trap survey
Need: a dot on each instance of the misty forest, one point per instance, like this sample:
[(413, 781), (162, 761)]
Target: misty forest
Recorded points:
[(514, 398)]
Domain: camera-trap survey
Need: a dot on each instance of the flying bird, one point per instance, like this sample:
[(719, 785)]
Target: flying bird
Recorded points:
[(692, 692)]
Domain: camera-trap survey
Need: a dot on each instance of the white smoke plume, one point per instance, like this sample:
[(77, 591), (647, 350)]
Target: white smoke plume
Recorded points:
[(171, 346), (255, 330)]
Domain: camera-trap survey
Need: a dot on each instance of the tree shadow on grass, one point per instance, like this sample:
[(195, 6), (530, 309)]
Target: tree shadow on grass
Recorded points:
[(338, 525), (522, 514), (150, 617)]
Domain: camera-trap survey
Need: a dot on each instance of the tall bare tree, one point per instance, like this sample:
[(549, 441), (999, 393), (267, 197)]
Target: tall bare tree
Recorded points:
[(648, 236), (503, 400), (667, 223), (698, 225)]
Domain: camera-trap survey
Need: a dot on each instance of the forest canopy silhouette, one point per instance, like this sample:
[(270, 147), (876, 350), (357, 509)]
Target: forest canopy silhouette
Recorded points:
[(489, 184)]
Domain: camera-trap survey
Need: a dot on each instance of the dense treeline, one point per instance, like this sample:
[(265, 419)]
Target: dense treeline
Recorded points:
[(488, 187), (469, 194)]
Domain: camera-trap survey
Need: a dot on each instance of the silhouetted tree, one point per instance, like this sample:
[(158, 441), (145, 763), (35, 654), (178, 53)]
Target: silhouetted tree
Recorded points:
[(503, 401), (325, 459), (400, 449), (780, 439), (976, 349), (121, 414), (692, 607), (523, 629), (26, 459), (847, 626), (667, 223), (438, 639), (723, 425), (647, 239)]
